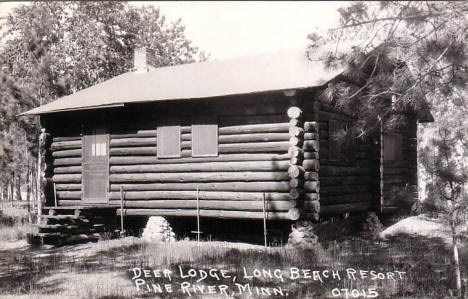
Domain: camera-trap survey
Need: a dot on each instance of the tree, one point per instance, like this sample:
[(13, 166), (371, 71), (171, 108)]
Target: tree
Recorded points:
[(52, 49), (408, 56)]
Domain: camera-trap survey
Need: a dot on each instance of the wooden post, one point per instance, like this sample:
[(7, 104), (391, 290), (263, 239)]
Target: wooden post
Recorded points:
[(122, 211), (198, 232), (38, 183), (264, 221), (198, 215)]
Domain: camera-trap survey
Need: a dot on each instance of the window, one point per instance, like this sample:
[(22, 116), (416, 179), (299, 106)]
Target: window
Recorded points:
[(392, 147), (204, 140), (96, 143), (168, 142)]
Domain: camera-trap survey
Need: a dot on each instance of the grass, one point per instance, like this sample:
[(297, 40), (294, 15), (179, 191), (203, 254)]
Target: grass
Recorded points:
[(104, 269), (14, 222)]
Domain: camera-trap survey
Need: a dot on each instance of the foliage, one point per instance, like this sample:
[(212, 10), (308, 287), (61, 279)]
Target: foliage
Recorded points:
[(410, 54), (51, 49)]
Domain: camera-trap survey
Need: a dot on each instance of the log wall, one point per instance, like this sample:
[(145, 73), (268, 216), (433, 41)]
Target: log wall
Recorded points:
[(350, 183), (269, 146), (253, 161)]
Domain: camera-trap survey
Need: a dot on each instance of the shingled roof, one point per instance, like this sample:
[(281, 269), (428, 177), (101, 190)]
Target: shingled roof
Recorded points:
[(236, 76)]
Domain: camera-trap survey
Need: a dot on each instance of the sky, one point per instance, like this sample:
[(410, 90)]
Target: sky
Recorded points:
[(239, 28)]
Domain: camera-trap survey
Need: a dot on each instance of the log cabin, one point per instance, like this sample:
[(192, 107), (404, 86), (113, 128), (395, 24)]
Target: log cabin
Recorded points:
[(242, 138)]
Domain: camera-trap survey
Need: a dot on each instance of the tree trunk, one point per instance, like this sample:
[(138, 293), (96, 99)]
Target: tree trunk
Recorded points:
[(456, 261), (18, 187)]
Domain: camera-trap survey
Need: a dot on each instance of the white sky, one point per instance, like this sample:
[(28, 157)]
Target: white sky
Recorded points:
[(229, 28)]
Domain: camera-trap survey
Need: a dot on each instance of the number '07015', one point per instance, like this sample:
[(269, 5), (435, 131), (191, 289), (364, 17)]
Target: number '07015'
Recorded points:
[(355, 293)]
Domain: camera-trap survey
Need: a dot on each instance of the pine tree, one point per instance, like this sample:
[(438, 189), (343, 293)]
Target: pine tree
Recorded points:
[(408, 56)]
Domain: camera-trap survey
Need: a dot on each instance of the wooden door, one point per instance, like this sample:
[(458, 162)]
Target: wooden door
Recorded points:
[(95, 166)]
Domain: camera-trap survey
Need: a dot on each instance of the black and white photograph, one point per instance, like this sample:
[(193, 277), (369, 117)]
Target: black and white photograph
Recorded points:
[(233, 149)]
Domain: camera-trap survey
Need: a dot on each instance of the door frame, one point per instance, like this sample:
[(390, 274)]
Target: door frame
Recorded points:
[(93, 200)]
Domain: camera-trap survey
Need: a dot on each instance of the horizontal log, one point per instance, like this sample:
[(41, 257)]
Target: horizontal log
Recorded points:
[(311, 145), (220, 158), (330, 210), (296, 131), (136, 133), (295, 171), (222, 148), (254, 128), (200, 177), (311, 197), (311, 176), (344, 171), (295, 193), (222, 139), (69, 194), (66, 138), (294, 122), (348, 198), (294, 213), (296, 141), (396, 180), (67, 153), (68, 186), (117, 151), (67, 161), (254, 147), (311, 155), (209, 166), (351, 180), (205, 195), (207, 204), (338, 190), (311, 136), (148, 141), (61, 145), (311, 126), (296, 183), (206, 213), (68, 169), (257, 137), (67, 178), (311, 164), (312, 186), (294, 112), (221, 186)]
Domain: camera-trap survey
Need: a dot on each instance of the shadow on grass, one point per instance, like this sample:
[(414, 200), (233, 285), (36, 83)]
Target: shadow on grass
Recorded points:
[(425, 261)]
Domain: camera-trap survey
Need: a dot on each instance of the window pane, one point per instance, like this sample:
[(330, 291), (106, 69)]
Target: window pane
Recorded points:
[(168, 141), (204, 140), (392, 147)]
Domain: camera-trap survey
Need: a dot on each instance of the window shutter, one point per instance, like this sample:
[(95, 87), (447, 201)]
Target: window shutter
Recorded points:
[(205, 140), (168, 142)]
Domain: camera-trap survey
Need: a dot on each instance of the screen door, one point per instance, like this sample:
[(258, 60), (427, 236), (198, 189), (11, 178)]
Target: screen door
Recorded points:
[(95, 166)]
